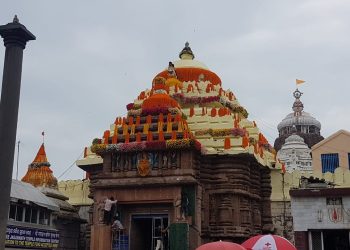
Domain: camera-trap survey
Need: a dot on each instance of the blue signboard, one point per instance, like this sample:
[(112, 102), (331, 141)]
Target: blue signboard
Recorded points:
[(26, 237)]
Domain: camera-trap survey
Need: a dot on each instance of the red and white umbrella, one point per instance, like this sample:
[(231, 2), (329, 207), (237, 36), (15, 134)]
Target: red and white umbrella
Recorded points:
[(221, 245), (268, 242)]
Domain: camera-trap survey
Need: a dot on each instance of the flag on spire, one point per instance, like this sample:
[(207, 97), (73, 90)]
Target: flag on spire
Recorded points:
[(283, 168), (298, 81)]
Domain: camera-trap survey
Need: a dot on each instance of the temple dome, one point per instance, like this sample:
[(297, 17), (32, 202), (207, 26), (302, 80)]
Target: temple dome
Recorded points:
[(294, 141), (160, 100), (304, 119), (39, 173), (188, 69)]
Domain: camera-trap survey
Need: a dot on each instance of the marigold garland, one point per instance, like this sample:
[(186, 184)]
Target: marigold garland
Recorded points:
[(195, 99), (222, 132), (146, 146)]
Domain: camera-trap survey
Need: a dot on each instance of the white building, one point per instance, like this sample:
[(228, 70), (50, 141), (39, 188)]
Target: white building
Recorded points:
[(295, 154), (321, 217)]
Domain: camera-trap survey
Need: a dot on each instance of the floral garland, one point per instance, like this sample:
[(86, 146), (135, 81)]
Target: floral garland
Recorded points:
[(234, 107), (130, 106), (146, 146), (154, 111), (134, 112), (39, 164), (195, 99), (222, 132)]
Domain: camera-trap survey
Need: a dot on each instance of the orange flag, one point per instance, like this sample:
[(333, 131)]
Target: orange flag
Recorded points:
[(298, 81)]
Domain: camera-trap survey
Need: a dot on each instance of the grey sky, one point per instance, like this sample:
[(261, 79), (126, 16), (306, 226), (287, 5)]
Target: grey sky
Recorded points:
[(91, 58)]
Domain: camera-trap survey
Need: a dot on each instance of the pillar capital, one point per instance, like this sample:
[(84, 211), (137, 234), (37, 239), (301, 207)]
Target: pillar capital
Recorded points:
[(15, 34)]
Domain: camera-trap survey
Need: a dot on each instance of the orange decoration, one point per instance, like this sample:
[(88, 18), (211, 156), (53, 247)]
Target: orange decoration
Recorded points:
[(191, 111), (149, 119), (227, 144), (161, 136), (177, 117), (127, 138), (192, 74), (186, 135), (138, 119), (173, 135), (106, 136), (169, 118), (131, 120), (160, 101), (222, 112), (149, 136), (161, 117), (160, 126), (124, 120), (245, 141), (190, 88), (138, 137), (213, 112)]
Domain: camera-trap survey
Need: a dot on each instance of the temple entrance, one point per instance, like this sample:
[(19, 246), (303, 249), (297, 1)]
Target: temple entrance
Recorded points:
[(147, 232), (336, 239)]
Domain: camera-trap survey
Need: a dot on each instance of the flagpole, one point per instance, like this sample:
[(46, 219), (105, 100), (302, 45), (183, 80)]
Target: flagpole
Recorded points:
[(17, 158), (284, 224)]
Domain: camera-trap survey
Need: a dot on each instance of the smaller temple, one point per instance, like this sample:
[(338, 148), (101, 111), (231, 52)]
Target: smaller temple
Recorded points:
[(305, 125), (66, 220), (295, 154), (39, 173)]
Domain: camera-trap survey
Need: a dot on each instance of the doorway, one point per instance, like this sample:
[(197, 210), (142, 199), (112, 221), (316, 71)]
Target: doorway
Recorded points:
[(336, 239), (147, 232)]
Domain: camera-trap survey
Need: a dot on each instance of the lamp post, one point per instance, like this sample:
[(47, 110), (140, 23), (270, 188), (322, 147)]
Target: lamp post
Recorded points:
[(15, 37)]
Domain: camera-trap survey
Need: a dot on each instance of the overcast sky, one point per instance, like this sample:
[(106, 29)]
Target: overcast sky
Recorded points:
[(91, 58)]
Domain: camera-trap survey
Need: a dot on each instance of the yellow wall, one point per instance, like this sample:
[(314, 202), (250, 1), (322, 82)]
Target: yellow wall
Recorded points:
[(341, 178), (77, 191), (336, 143)]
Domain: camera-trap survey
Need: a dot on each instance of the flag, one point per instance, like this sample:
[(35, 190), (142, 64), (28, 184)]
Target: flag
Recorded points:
[(283, 168), (298, 81)]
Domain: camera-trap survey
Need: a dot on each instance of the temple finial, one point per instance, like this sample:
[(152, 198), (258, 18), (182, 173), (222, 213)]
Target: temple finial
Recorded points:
[(298, 106), (43, 134), (15, 19), (186, 52)]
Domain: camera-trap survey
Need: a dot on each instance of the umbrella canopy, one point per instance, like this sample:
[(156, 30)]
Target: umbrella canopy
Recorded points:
[(220, 245), (268, 242)]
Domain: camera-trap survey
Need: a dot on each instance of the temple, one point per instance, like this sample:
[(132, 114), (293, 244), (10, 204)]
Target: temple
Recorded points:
[(299, 122), (185, 164), (66, 221)]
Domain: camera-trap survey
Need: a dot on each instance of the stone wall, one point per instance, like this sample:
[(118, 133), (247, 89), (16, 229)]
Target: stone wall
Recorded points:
[(77, 191), (280, 195), (282, 219)]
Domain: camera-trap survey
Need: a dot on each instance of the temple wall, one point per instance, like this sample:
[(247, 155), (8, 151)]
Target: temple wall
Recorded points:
[(340, 177), (77, 191), (339, 144)]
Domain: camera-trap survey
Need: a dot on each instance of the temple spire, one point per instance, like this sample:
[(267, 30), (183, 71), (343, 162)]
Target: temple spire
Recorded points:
[(186, 52), (298, 106)]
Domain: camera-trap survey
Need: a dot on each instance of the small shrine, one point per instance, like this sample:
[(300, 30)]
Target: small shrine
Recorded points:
[(67, 220), (185, 164)]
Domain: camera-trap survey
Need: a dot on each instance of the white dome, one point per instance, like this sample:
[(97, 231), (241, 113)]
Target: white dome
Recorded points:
[(189, 63), (294, 142), (305, 119)]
